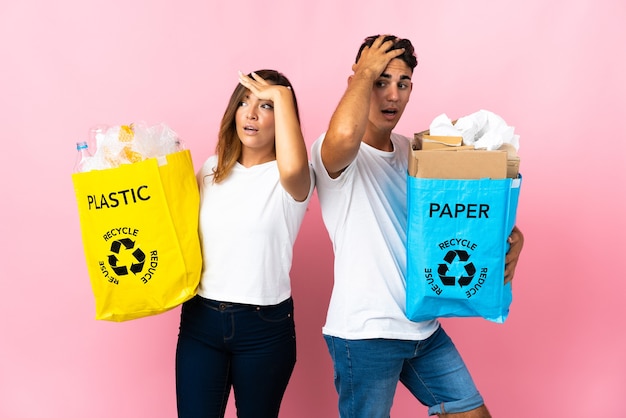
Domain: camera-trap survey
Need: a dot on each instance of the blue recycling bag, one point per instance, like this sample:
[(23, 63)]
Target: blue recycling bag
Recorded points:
[(456, 246)]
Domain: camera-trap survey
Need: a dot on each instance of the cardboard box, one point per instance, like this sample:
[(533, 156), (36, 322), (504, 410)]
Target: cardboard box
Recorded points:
[(513, 159), (512, 168), (438, 166), (458, 163), (430, 142)]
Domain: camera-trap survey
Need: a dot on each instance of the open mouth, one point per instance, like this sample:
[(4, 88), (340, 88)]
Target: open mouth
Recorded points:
[(250, 129), (390, 113)]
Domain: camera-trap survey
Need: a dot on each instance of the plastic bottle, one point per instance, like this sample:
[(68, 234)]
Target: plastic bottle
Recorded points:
[(83, 156)]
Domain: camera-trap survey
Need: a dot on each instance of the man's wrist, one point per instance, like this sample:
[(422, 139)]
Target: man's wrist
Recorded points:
[(365, 74)]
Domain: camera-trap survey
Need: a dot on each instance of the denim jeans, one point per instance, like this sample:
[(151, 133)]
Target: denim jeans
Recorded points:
[(221, 344), (367, 373)]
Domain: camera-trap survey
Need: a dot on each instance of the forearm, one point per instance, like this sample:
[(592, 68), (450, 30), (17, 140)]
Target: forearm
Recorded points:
[(291, 152)]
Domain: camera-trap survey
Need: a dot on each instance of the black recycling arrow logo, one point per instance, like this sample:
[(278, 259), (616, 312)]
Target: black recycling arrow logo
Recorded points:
[(444, 269), (138, 256)]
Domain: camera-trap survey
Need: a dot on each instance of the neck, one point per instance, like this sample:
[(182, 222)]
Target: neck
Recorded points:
[(378, 139), (249, 158)]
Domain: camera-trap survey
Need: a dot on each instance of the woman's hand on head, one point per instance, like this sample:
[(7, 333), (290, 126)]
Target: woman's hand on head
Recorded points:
[(261, 88)]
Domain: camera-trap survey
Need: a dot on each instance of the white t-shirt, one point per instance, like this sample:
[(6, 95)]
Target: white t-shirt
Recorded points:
[(248, 225), (365, 213)]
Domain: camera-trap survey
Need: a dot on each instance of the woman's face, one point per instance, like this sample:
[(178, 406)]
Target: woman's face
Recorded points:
[(255, 123)]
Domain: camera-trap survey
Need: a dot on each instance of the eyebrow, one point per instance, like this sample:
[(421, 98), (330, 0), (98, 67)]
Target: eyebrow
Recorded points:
[(402, 77)]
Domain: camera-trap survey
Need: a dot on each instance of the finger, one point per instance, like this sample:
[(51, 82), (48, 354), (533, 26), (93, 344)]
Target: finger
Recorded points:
[(244, 79), (248, 82), (258, 79), (378, 41), (512, 239), (508, 269), (386, 46), (394, 53), (509, 272), (376, 45)]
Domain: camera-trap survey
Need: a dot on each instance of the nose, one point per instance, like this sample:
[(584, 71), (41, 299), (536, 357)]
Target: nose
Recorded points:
[(392, 93), (251, 114)]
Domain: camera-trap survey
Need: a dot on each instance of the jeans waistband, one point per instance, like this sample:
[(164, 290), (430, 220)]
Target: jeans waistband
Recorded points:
[(233, 306)]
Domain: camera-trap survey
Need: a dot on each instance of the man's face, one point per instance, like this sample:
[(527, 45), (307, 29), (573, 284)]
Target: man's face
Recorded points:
[(390, 95)]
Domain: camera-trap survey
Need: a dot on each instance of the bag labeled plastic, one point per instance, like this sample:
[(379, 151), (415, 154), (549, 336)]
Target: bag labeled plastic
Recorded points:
[(457, 243), (139, 226)]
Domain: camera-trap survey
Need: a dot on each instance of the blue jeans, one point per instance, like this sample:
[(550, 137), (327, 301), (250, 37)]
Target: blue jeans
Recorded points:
[(221, 344), (367, 373)]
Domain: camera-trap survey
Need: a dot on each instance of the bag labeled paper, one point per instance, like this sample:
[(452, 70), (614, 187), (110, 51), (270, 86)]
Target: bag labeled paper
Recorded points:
[(457, 243)]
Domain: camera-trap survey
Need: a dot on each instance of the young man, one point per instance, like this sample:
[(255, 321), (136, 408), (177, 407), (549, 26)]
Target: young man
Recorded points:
[(361, 168)]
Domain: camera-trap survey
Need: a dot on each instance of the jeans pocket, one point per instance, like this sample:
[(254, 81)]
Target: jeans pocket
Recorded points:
[(277, 313)]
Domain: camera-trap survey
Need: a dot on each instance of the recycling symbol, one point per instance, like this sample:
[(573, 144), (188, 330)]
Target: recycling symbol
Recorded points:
[(451, 258), (126, 245)]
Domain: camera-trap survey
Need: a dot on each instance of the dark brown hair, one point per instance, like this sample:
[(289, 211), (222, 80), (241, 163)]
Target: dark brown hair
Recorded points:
[(408, 56)]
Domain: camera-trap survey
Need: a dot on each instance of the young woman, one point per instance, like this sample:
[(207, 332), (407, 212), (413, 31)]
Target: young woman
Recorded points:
[(239, 330)]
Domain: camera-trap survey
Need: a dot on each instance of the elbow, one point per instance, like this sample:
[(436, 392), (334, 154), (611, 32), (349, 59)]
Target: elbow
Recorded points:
[(297, 184), (342, 135)]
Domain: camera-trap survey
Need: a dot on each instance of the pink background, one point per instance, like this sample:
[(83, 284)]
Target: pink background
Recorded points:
[(554, 70)]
